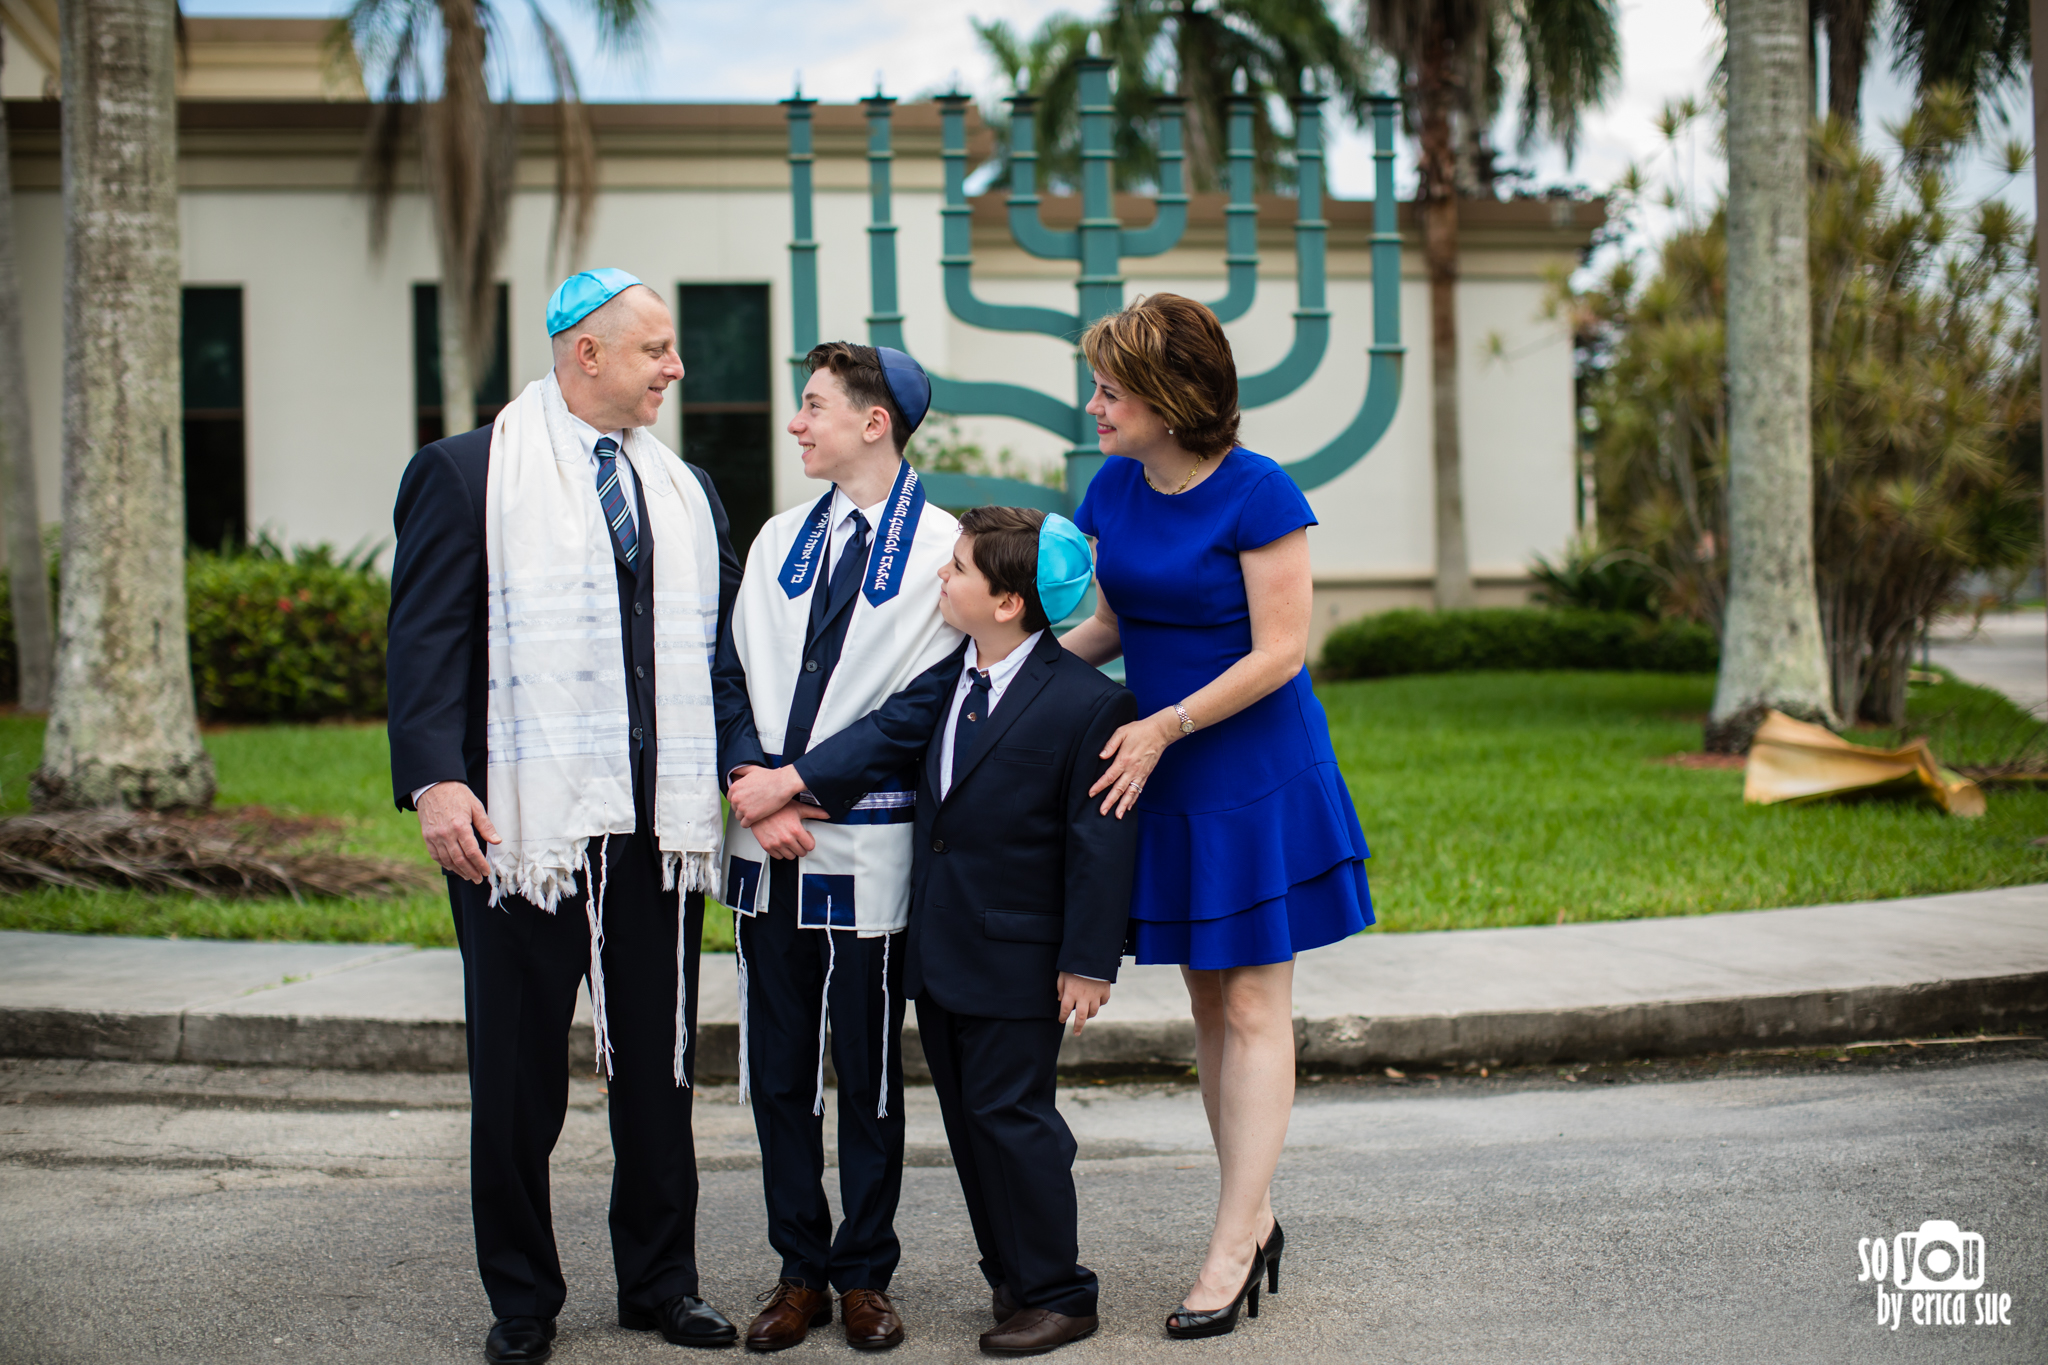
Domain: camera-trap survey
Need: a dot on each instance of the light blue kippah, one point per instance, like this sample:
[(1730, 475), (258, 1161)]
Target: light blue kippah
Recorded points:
[(1064, 566), (583, 294)]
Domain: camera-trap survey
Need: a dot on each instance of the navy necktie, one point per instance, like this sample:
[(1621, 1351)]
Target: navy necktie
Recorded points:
[(846, 574), (973, 717), (613, 498)]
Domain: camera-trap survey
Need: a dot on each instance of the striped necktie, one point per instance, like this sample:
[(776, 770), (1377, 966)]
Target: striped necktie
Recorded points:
[(613, 498)]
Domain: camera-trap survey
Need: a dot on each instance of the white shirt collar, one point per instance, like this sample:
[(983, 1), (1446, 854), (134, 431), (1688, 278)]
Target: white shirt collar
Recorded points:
[(586, 435), (842, 507), (1000, 673)]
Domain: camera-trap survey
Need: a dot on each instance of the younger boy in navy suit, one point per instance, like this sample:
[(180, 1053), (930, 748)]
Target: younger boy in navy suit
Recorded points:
[(1019, 896)]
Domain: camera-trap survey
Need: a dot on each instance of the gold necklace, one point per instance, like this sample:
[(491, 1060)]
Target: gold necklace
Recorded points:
[(1183, 483)]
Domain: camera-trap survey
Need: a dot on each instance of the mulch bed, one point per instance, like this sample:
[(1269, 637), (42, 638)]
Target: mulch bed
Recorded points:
[(250, 852)]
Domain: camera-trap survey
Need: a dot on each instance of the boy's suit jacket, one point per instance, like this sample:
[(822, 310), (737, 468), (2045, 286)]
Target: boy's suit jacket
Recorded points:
[(1018, 876)]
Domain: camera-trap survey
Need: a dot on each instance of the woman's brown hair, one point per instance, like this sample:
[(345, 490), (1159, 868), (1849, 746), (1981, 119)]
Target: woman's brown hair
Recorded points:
[(1171, 352)]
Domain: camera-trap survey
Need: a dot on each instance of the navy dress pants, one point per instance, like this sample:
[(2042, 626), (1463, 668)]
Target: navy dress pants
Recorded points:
[(1014, 1153), (520, 970), (786, 993)]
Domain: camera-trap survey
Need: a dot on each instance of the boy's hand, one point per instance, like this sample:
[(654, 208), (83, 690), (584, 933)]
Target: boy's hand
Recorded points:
[(758, 793), (782, 835), (1081, 998)]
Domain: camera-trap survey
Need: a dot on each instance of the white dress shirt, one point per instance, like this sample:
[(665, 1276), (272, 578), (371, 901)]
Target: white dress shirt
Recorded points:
[(842, 525), (999, 675), (588, 436)]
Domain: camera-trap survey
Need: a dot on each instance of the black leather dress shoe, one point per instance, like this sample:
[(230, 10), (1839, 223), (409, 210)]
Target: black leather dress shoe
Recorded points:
[(520, 1341), (684, 1320)]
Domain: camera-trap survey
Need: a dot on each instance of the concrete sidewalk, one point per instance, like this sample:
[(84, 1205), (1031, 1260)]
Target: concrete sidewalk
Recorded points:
[(1976, 961)]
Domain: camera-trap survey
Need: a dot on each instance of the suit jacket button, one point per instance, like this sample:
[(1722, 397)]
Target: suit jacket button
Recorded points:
[(636, 734), (938, 845), (638, 671), (639, 608), (810, 665)]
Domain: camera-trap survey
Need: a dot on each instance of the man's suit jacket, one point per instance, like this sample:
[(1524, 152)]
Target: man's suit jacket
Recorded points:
[(1018, 874), (436, 661)]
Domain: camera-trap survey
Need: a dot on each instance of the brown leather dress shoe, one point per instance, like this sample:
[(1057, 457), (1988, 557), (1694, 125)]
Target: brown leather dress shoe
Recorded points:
[(1034, 1331), (1002, 1305), (792, 1311), (870, 1320)]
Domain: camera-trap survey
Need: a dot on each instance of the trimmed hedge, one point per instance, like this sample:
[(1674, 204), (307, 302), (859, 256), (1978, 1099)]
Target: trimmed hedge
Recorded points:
[(1500, 638), (272, 638)]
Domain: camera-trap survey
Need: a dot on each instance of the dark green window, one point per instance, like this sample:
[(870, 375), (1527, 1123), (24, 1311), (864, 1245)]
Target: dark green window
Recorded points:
[(216, 477), (492, 392), (728, 426)]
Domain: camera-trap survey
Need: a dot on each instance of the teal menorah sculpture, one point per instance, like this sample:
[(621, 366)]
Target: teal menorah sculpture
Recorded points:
[(1098, 245)]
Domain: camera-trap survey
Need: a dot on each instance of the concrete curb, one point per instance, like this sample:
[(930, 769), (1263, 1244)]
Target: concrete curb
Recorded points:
[(1810, 977), (2001, 1004)]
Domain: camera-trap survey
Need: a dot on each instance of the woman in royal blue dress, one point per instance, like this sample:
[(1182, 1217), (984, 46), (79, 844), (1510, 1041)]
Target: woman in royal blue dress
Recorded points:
[(1249, 850)]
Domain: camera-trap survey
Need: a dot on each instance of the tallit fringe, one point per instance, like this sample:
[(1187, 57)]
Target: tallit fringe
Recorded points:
[(882, 1106), (697, 872), (682, 992), (825, 1011), (595, 906), (543, 873), (739, 951)]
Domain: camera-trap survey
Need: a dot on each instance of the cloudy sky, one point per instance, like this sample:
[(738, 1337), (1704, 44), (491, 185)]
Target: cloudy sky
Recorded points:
[(719, 50)]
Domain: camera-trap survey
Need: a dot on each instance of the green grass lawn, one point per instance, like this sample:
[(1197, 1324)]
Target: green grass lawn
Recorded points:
[(1494, 799), (1488, 799)]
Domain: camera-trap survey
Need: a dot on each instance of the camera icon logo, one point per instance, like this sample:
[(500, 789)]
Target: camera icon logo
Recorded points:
[(1940, 1256)]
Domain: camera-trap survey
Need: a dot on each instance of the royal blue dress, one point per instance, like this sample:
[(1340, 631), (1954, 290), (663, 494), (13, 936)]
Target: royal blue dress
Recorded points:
[(1249, 849)]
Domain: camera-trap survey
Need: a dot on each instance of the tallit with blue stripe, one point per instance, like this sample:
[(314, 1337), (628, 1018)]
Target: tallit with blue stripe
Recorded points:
[(858, 875)]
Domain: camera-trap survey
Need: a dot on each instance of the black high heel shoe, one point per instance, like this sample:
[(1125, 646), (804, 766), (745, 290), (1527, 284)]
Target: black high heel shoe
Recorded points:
[(1186, 1323), (1275, 1244)]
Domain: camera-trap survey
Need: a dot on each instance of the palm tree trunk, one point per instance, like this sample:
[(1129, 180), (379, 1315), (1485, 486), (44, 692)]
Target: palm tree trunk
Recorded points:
[(1439, 195), (1772, 652), (458, 390), (28, 579), (2039, 17), (122, 728), (1848, 25), (461, 154)]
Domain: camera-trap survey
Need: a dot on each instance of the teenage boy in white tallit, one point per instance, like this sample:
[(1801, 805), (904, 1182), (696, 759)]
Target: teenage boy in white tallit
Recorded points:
[(559, 581), (844, 662)]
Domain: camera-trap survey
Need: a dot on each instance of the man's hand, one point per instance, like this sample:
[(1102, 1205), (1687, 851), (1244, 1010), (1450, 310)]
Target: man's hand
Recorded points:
[(782, 833), (448, 813), (758, 793), (1081, 998)]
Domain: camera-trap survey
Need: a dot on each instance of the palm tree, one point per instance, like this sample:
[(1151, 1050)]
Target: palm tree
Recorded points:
[(122, 730), (1978, 46), (28, 581), (1772, 652), (1451, 53), (1848, 25), (469, 153), (1201, 51)]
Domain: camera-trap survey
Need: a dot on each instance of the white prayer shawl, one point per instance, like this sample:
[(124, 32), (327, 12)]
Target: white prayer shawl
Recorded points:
[(865, 857), (857, 877), (559, 770)]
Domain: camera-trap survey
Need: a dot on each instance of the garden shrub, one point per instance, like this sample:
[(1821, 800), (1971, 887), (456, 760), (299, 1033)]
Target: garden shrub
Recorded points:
[(273, 637), (1399, 642)]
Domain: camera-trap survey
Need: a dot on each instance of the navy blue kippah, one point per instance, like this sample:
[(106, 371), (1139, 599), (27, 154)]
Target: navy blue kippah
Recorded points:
[(909, 385)]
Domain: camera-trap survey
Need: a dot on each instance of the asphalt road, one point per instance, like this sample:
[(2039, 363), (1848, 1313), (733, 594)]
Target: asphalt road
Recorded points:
[(1697, 1212)]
